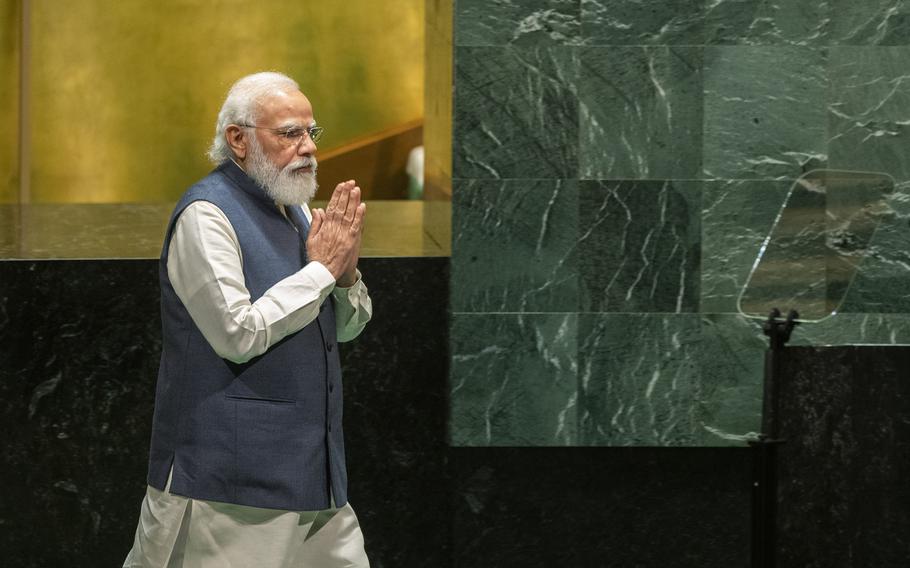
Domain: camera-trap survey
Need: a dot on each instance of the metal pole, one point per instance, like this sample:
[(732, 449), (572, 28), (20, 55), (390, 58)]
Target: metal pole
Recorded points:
[(765, 449)]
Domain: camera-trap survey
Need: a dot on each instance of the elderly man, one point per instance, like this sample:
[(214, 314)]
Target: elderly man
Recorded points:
[(247, 463)]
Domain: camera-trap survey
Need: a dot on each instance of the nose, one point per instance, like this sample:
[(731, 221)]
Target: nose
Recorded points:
[(306, 146)]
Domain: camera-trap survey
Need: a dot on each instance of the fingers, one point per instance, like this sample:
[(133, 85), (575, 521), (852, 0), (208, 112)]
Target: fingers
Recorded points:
[(316, 223), (344, 199), (333, 201), (339, 200), (359, 214), (353, 204)]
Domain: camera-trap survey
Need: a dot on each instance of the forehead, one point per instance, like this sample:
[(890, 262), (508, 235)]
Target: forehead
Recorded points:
[(285, 108)]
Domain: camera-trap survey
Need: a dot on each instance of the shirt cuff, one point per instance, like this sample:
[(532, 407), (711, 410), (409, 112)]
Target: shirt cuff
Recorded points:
[(320, 275), (347, 290)]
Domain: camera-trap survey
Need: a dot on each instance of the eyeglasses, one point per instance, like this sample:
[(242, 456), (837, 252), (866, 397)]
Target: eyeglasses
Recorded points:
[(293, 135)]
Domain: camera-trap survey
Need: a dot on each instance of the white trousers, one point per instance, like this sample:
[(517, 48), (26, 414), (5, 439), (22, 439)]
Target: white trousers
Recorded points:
[(177, 532)]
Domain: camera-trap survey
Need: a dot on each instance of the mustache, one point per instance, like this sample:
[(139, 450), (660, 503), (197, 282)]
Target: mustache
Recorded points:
[(307, 162)]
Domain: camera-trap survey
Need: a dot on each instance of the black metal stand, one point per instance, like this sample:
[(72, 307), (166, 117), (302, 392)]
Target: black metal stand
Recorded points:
[(764, 470)]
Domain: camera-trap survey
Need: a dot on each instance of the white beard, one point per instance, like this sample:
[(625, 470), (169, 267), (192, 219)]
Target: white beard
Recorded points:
[(286, 186)]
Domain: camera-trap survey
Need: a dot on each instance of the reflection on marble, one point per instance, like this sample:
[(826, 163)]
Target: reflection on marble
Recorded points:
[(86, 231), (514, 241), (764, 112), (83, 231), (638, 247), (513, 380), (633, 22), (641, 113), (843, 497), (868, 112), (515, 113), (638, 378), (534, 22)]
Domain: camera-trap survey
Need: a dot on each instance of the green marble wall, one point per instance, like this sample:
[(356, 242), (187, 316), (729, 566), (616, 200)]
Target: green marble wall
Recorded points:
[(616, 164)]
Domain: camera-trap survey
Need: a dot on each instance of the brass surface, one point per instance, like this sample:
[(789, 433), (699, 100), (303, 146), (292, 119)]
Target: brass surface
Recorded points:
[(96, 231), (9, 101), (124, 95), (438, 105), (437, 132)]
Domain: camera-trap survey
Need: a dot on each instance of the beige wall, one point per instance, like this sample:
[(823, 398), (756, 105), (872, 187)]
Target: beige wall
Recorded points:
[(124, 95)]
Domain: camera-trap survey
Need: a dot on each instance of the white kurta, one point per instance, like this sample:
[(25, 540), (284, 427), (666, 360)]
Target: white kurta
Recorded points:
[(205, 269)]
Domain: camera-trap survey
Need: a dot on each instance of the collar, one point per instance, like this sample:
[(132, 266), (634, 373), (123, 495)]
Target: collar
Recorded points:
[(235, 173)]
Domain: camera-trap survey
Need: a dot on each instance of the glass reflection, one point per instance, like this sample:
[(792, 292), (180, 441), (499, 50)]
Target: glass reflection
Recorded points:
[(822, 234)]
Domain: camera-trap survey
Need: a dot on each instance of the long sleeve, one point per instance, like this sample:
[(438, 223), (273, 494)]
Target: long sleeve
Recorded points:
[(353, 309), (205, 267)]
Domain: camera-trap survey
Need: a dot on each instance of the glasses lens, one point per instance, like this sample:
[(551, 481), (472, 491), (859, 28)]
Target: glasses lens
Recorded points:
[(316, 133)]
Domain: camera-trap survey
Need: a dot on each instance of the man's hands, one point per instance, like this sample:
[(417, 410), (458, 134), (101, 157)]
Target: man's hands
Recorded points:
[(334, 238)]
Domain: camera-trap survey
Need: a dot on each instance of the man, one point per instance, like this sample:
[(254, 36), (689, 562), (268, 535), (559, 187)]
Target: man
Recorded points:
[(246, 466)]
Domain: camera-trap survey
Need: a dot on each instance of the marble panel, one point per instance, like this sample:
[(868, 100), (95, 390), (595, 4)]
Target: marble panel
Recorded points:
[(609, 507), (637, 22), (395, 414), (80, 342), (502, 22), (641, 113), (515, 113), (767, 22), (639, 379), (514, 246), (731, 364), (639, 246), (513, 380), (870, 22), (869, 110), (855, 329), (764, 112), (843, 497), (736, 218)]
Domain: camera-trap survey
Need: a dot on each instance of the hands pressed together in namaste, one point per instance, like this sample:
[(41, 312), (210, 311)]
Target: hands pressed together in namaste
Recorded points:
[(335, 233)]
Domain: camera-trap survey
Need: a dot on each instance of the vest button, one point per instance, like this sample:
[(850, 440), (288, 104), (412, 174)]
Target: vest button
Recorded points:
[(329, 347), (331, 387)]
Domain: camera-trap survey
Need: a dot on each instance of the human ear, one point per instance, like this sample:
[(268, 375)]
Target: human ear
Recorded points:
[(236, 139)]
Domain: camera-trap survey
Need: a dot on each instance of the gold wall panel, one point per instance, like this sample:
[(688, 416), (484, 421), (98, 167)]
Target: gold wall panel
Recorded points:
[(124, 94), (437, 129), (9, 101), (438, 101)]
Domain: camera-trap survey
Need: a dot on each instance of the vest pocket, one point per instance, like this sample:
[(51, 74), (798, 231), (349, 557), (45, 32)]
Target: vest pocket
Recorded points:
[(254, 399)]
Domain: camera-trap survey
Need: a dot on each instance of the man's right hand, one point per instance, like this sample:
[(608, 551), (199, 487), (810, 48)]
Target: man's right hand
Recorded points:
[(334, 238)]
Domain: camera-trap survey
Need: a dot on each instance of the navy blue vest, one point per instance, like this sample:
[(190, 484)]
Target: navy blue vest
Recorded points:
[(265, 433)]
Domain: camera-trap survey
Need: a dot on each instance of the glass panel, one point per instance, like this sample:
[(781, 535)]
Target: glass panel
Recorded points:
[(812, 257)]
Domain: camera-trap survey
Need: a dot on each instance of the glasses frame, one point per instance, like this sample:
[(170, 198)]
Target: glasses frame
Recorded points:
[(313, 132)]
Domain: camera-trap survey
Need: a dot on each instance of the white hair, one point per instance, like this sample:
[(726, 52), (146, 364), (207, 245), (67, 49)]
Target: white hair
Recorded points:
[(240, 107)]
